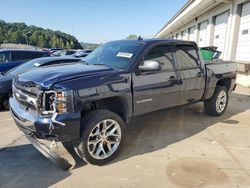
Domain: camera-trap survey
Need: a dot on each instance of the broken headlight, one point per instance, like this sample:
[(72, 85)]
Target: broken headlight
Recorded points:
[(58, 102)]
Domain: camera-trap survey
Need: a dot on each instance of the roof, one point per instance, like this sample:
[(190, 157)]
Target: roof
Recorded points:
[(21, 50), (192, 10), (155, 40)]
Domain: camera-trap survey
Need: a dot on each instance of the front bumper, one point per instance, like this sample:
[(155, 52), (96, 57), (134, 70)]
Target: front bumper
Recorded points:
[(44, 127), (51, 144)]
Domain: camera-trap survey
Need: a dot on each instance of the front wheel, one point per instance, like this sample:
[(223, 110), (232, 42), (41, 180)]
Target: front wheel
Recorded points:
[(217, 104), (103, 134)]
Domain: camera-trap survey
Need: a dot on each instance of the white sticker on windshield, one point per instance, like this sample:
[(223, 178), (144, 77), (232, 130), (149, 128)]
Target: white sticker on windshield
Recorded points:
[(37, 64), (124, 54)]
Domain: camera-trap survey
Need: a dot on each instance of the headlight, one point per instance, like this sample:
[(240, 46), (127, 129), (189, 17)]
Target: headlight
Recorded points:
[(58, 102)]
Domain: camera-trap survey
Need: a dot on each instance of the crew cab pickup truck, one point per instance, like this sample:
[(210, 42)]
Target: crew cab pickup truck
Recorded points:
[(88, 104)]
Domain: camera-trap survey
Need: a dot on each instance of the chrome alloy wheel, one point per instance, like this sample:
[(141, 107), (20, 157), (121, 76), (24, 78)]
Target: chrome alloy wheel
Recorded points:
[(104, 139), (221, 102)]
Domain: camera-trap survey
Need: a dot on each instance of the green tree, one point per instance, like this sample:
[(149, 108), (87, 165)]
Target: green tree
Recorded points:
[(44, 38), (132, 36)]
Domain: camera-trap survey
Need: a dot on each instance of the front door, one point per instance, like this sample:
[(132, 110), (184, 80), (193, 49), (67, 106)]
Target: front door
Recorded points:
[(159, 89)]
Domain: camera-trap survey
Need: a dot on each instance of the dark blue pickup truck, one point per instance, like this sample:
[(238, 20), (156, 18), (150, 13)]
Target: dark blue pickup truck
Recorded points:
[(12, 58), (88, 104)]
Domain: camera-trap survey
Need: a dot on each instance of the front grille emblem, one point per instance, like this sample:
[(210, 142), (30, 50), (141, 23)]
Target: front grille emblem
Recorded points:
[(18, 96)]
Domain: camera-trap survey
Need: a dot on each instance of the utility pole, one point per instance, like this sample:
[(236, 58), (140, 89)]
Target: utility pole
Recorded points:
[(26, 36)]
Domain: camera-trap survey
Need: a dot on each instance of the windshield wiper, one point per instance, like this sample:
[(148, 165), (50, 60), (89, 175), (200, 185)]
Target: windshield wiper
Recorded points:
[(3, 73)]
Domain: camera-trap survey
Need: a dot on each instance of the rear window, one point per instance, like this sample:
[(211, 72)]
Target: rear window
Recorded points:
[(26, 55), (4, 57), (17, 56), (186, 56), (34, 55)]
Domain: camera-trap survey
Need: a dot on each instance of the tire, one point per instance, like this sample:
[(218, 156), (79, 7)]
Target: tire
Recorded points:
[(111, 145), (217, 104), (6, 104)]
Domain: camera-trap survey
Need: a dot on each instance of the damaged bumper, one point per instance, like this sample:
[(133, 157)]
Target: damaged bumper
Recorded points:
[(45, 140), (54, 151)]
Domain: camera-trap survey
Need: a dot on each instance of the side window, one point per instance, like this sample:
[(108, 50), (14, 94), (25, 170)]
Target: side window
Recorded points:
[(187, 56), (163, 55), (18, 56), (4, 57), (34, 55)]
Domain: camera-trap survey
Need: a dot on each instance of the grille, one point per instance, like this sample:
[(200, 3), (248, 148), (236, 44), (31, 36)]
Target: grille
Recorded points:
[(29, 97)]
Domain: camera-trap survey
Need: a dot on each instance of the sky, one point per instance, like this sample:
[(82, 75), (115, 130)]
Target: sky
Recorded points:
[(93, 21)]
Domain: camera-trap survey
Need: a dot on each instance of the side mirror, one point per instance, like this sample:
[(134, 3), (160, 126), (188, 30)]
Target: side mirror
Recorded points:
[(150, 65)]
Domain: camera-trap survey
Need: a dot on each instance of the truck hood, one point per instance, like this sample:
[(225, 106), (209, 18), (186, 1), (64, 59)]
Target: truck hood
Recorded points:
[(48, 76)]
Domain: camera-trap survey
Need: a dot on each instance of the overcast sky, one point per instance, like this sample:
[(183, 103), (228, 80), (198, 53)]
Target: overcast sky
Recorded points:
[(93, 21)]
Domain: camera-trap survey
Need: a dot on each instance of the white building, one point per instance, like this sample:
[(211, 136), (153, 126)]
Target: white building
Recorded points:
[(221, 23)]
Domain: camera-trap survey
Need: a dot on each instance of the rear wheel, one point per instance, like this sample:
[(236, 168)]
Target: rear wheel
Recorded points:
[(217, 104), (103, 135)]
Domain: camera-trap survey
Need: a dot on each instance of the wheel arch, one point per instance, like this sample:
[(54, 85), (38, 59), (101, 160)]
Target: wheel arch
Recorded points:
[(116, 104), (225, 82)]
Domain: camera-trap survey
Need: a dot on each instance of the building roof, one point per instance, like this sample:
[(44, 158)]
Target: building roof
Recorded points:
[(191, 10)]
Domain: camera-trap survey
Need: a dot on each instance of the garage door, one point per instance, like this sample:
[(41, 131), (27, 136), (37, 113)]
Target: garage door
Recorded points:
[(220, 31), (184, 35), (243, 46), (203, 34), (177, 36), (191, 34)]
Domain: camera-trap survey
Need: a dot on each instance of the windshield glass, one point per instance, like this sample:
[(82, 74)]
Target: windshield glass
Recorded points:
[(24, 67), (117, 54)]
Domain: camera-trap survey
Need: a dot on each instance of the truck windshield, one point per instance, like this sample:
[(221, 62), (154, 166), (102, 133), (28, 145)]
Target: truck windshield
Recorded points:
[(117, 54)]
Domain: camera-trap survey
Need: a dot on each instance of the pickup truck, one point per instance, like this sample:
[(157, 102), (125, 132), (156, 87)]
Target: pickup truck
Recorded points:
[(87, 105)]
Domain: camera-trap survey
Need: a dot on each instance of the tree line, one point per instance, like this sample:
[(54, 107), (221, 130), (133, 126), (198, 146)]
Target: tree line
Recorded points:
[(20, 33)]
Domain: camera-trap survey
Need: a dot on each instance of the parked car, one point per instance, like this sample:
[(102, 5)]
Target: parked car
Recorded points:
[(81, 53), (12, 58), (6, 78), (53, 50), (64, 52), (56, 53), (89, 104)]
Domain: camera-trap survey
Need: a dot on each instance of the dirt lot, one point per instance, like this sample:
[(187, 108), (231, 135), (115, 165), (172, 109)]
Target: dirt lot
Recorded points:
[(180, 148)]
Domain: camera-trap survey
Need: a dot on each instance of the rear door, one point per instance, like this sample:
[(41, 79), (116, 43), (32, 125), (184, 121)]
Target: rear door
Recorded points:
[(4, 61), (19, 57), (191, 73), (156, 90), (16, 58)]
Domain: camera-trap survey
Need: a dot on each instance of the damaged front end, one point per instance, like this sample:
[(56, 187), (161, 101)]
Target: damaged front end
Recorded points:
[(48, 120)]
